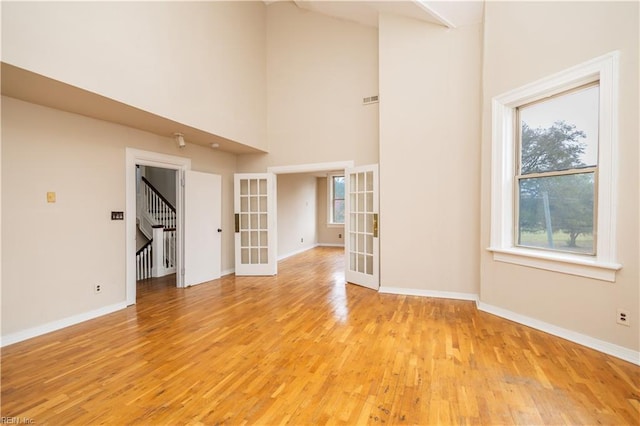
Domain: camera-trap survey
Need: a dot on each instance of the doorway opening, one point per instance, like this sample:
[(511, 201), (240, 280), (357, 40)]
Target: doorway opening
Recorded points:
[(304, 213), (156, 227), (178, 165), (301, 229), (361, 218)]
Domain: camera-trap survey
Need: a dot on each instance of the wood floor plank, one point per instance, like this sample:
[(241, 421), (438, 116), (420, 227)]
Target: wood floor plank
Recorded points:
[(303, 347)]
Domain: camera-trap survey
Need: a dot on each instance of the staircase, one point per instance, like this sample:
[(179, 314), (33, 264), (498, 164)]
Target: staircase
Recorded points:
[(156, 219)]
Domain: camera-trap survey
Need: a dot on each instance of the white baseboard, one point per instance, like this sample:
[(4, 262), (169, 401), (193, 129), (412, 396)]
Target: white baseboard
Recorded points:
[(582, 339), (329, 245), (302, 250), (228, 272), (429, 293), (59, 324)]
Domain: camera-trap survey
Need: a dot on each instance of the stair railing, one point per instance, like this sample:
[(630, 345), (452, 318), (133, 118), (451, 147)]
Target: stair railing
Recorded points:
[(157, 221), (154, 209)]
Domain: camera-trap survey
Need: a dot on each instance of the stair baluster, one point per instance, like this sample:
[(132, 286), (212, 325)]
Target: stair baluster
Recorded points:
[(143, 262)]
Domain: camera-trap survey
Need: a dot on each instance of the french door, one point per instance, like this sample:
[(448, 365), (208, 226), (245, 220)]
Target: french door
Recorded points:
[(255, 224), (362, 244)]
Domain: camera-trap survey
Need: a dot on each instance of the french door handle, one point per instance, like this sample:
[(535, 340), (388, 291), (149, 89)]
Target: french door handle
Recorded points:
[(219, 230), (375, 225), (237, 222)]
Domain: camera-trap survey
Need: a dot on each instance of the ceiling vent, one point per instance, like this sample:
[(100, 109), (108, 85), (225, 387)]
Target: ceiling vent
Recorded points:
[(370, 100)]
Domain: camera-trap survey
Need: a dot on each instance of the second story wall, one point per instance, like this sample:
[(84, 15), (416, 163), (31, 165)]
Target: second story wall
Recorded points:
[(198, 63), (318, 70)]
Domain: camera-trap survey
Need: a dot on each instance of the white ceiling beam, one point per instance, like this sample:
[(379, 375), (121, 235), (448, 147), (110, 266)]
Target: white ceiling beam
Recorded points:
[(449, 13), (428, 6)]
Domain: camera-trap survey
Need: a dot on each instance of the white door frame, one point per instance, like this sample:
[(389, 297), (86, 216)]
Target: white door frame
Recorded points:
[(135, 157), (311, 168)]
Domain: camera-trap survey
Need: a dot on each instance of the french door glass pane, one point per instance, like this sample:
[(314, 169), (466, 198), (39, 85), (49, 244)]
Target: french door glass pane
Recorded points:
[(369, 266), (557, 212), (361, 222), (253, 221), (369, 244)]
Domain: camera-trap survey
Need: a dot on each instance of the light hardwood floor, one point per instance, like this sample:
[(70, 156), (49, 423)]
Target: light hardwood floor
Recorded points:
[(304, 348)]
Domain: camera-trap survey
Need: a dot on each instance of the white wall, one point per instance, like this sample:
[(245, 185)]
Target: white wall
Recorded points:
[(198, 63), (164, 180), (525, 41), (210, 59), (430, 79), (296, 213), (318, 70), (54, 253)]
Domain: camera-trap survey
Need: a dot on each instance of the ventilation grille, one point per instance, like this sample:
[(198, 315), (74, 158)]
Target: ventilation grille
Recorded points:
[(370, 100)]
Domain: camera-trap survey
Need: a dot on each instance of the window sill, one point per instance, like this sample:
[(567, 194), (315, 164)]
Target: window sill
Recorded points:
[(335, 225), (558, 262)]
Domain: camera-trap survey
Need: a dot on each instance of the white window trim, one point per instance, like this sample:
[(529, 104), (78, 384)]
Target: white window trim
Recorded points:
[(603, 265), (330, 222)]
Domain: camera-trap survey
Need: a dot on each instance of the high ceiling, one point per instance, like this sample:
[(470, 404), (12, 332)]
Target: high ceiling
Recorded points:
[(31, 87), (451, 14)]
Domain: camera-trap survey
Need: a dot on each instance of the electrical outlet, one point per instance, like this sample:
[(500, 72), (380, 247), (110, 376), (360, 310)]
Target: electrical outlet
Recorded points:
[(623, 317), (97, 288), (339, 235), (302, 240)]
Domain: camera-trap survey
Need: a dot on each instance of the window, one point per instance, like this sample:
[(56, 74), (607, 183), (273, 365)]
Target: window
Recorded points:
[(336, 199), (557, 171), (553, 172)]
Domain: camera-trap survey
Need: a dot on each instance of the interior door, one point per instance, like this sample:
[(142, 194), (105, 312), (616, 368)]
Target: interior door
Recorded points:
[(255, 223), (362, 243), (202, 227)]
